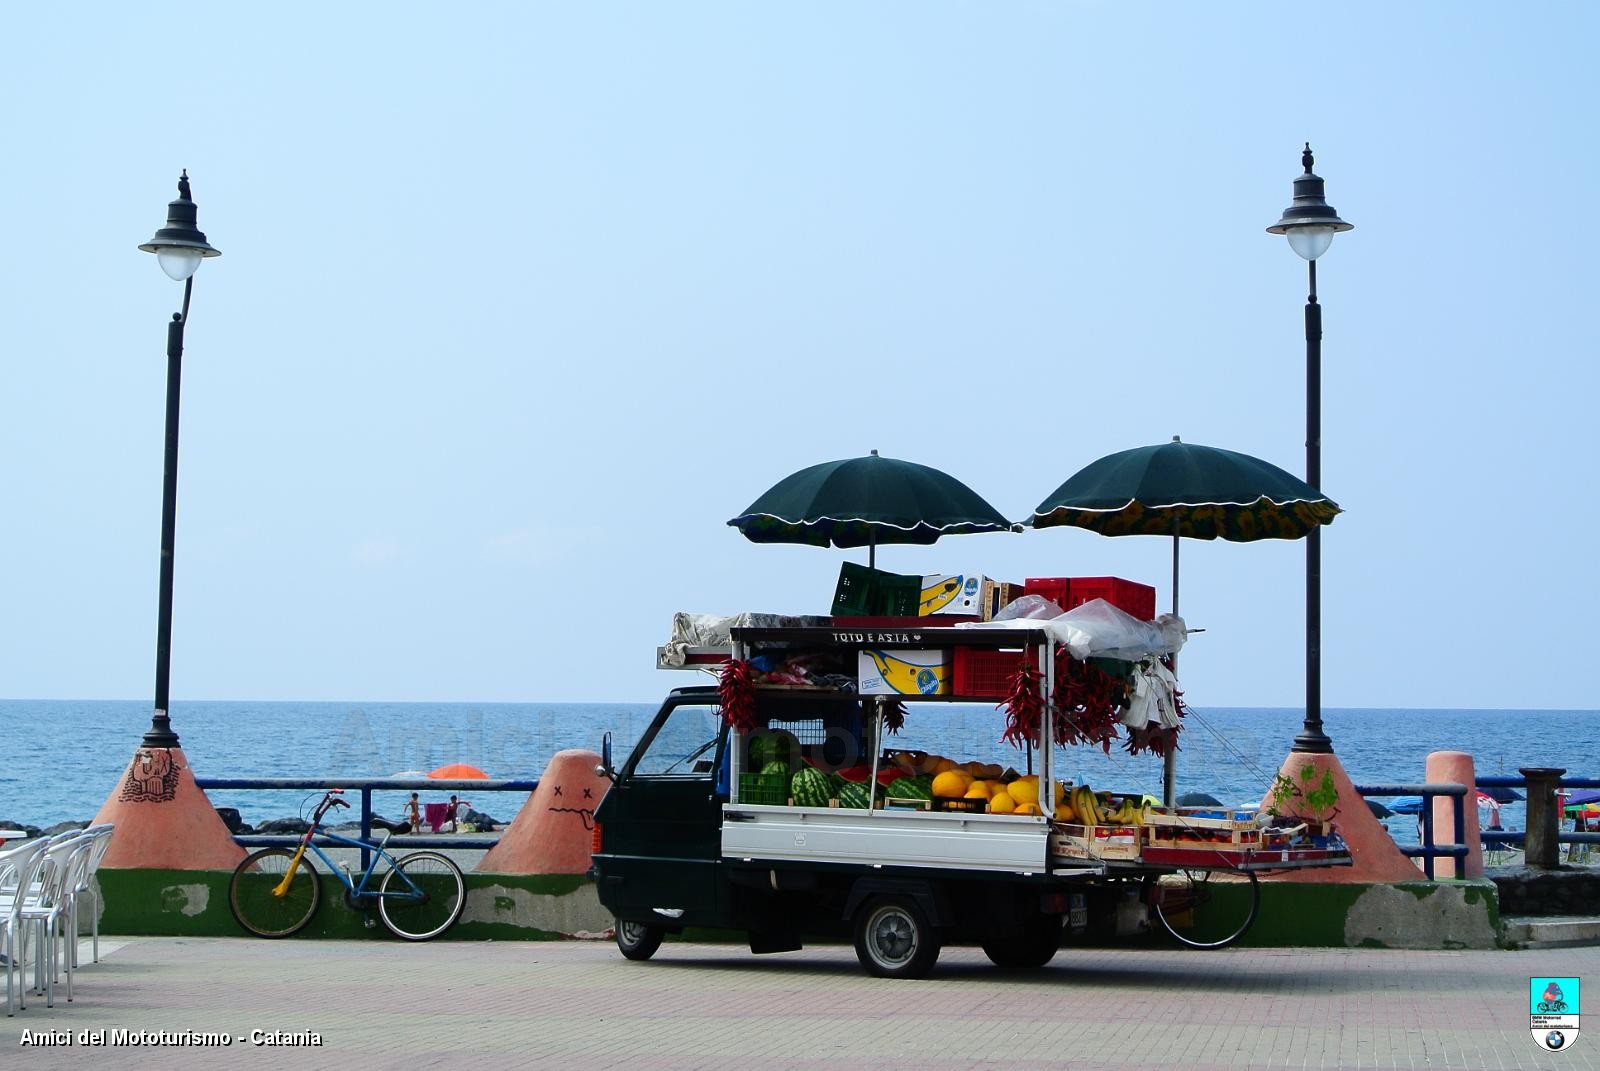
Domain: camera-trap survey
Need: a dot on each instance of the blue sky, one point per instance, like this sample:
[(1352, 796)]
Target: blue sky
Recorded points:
[(519, 303)]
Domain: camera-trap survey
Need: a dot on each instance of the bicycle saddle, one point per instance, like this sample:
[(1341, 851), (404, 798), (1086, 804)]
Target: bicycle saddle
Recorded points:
[(379, 822)]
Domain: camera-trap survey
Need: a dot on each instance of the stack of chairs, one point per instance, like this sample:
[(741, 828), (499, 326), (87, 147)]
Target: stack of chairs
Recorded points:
[(42, 883)]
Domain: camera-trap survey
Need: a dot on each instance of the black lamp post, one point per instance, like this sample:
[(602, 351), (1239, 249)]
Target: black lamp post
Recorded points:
[(1310, 224), (179, 247)]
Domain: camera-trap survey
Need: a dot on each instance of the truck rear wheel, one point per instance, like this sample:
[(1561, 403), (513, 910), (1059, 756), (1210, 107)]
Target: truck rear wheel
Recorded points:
[(638, 941), (1035, 946), (894, 938)]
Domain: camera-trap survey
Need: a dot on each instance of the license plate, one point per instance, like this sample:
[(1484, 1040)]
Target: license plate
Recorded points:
[(1078, 911)]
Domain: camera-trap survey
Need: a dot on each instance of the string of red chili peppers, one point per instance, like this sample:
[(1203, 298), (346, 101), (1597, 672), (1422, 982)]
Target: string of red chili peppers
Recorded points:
[(738, 693), (1089, 701)]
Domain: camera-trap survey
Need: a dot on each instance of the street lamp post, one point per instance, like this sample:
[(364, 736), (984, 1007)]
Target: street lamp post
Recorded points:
[(179, 247), (1310, 224)]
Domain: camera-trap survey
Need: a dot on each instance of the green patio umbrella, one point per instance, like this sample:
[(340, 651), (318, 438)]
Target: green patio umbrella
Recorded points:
[(1183, 489), (864, 501)]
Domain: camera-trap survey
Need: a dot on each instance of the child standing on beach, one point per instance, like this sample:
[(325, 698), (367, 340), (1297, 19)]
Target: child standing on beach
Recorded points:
[(414, 814)]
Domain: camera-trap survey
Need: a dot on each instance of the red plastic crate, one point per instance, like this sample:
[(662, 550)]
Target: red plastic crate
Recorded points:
[(982, 673), (1067, 592), (1137, 599), (1053, 588)]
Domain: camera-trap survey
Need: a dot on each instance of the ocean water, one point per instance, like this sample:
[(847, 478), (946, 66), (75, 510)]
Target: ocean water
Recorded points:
[(65, 757)]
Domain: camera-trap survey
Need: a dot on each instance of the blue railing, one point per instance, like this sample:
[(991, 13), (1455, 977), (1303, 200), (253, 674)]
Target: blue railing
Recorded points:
[(367, 785), (1428, 851)]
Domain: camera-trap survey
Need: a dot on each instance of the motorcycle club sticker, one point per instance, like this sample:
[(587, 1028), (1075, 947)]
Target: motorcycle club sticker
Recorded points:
[(1553, 1012)]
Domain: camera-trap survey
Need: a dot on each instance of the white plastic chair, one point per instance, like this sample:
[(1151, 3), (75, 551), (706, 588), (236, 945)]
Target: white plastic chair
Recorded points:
[(86, 886), (19, 870), (48, 906)]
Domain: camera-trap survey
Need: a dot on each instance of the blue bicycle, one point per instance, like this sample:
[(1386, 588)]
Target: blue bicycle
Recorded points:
[(275, 891)]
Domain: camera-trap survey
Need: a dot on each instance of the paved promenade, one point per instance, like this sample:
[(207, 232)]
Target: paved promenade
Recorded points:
[(579, 1005)]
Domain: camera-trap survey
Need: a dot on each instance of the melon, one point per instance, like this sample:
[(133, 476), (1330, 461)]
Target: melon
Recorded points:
[(853, 794), (907, 788), (809, 788)]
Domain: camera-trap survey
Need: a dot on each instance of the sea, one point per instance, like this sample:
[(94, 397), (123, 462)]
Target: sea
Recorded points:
[(66, 756)]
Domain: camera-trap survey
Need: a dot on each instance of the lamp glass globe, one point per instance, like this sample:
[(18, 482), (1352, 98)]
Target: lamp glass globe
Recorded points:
[(1310, 242), (178, 262)]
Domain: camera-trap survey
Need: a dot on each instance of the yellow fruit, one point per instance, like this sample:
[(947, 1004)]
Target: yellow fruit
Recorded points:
[(977, 792), (989, 787), (1065, 813), (1001, 803), (1026, 808), (1061, 792), (952, 784), (944, 766), (1024, 789)]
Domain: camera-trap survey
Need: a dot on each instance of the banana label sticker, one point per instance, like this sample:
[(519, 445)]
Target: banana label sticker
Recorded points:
[(1553, 1012), (903, 672)]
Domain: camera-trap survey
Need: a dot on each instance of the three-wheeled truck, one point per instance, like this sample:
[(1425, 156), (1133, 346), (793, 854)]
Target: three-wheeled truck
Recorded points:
[(691, 833)]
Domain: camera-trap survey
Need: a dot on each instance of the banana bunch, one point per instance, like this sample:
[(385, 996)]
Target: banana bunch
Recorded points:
[(1096, 810)]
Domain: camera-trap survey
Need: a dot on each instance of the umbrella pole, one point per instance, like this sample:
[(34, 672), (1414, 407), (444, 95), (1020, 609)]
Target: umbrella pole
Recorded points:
[(872, 550), (1169, 761)]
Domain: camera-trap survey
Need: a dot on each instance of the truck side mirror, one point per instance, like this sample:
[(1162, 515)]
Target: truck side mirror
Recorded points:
[(605, 768)]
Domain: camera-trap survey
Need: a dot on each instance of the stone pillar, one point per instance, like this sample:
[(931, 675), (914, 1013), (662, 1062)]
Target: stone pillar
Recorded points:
[(1541, 848), (1457, 767)]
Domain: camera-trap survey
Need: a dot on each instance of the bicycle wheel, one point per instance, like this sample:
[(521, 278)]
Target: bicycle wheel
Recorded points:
[(422, 896), (1174, 898), (258, 908)]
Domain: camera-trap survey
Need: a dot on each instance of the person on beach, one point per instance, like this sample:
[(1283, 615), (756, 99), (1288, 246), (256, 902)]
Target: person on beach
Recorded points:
[(450, 815), (414, 813)]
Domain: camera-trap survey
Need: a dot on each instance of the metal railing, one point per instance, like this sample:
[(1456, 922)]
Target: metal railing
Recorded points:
[(368, 785), (1428, 851)]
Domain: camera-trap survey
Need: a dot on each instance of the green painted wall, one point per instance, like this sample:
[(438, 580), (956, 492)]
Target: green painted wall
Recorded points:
[(195, 903), (1448, 914)]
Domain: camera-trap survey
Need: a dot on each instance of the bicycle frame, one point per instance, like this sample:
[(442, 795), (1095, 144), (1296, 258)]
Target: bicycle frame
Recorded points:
[(379, 852)]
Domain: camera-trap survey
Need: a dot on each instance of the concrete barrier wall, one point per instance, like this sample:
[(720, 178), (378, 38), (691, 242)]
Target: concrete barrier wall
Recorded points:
[(504, 907)]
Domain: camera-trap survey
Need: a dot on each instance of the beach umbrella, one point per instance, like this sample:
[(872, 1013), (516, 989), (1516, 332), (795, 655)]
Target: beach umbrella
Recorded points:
[(1406, 805), (458, 771), (1582, 797), (1186, 490), (1502, 795), (1198, 799), (1378, 810), (865, 501)]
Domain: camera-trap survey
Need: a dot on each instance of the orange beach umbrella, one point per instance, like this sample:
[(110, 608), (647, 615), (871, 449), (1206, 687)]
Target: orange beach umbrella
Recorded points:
[(457, 771)]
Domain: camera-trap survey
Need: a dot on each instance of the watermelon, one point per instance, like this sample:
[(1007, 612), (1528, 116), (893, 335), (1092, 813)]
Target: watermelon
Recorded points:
[(773, 745), (910, 788), (809, 788), (777, 767), (858, 774), (854, 794)]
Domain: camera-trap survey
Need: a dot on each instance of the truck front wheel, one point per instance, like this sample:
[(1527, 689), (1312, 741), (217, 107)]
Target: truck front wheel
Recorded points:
[(638, 941), (894, 938)]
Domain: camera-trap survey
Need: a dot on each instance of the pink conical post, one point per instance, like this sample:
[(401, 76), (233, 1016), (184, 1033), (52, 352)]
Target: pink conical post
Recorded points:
[(164, 821), (554, 831), (1376, 856)]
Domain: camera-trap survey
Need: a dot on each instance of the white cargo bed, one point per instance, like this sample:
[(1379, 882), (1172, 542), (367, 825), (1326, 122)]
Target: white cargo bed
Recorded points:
[(941, 840)]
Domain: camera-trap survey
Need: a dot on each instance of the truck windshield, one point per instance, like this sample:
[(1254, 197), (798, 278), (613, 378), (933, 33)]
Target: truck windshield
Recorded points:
[(684, 745)]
